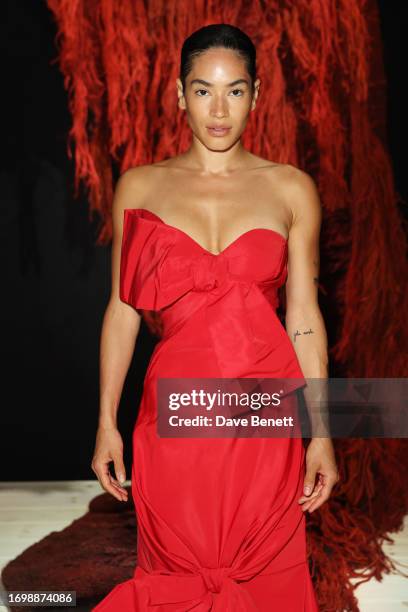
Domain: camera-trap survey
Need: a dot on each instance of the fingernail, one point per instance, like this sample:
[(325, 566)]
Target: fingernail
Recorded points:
[(307, 490)]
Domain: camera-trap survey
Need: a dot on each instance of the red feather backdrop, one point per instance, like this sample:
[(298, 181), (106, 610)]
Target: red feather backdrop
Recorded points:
[(322, 108)]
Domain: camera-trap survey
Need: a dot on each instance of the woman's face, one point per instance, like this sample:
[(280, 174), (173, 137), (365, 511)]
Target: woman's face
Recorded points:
[(218, 94)]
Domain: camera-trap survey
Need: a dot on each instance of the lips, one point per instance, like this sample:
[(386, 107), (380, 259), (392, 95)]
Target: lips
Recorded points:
[(217, 130)]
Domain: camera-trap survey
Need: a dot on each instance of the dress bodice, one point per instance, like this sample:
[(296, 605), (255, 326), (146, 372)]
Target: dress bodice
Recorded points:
[(163, 269), (161, 263)]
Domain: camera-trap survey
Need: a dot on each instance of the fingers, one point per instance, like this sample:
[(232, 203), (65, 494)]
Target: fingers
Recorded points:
[(316, 491), (120, 471), (119, 487), (310, 479), (320, 499), (311, 502), (321, 493), (106, 481)]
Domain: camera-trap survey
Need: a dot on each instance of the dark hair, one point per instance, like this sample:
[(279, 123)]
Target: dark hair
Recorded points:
[(217, 35)]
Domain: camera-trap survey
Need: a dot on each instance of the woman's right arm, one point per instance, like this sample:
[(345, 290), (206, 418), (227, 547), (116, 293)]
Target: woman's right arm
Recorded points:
[(119, 332)]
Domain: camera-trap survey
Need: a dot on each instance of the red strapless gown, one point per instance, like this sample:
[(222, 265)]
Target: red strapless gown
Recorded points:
[(219, 526)]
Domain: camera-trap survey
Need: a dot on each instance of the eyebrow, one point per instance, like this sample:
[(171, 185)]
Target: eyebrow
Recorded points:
[(207, 84)]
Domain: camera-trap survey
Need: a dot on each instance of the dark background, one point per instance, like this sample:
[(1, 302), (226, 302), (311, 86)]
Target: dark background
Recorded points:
[(55, 281)]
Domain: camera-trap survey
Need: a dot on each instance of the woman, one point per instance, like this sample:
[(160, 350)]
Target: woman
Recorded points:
[(207, 238)]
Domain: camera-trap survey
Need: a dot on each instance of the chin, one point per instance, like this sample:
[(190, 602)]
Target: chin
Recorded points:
[(220, 147), (219, 143)]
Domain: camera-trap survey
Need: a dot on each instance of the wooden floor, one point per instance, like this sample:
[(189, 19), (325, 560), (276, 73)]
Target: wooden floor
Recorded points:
[(31, 510)]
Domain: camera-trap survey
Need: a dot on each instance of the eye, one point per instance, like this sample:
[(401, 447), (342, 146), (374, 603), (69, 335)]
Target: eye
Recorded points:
[(200, 90), (240, 90)]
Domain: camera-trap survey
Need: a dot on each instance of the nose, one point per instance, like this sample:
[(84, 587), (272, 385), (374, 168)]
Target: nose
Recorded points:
[(219, 107)]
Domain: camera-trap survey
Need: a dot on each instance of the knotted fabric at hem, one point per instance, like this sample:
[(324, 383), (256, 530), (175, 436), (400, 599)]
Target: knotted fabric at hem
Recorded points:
[(210, 590)]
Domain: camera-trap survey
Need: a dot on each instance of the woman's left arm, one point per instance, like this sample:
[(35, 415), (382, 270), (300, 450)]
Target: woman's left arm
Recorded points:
[(306, 330)]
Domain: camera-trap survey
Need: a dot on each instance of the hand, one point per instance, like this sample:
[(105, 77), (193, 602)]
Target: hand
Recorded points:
[(109, 447), (321, 462)]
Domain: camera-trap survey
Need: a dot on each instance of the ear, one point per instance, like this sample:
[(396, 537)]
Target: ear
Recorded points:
[(180, 94), (255, 94)]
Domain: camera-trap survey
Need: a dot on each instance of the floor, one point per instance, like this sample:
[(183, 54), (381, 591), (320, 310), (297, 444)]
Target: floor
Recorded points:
[(31, 510)]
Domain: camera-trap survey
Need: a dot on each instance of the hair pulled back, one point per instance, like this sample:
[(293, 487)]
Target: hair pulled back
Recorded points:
[(217, 35)]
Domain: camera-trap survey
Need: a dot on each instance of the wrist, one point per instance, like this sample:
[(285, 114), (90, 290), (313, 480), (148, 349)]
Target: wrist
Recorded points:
[(107, 424)]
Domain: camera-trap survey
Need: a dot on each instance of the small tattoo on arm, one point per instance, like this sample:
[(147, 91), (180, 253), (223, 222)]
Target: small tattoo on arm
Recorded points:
[(298, 333)]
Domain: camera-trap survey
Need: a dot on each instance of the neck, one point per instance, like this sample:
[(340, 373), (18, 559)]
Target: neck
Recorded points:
[(215, 163)]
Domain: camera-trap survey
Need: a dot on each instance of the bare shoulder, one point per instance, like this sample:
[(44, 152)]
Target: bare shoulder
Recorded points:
[(300, 193), (132, 186), (136, 184)]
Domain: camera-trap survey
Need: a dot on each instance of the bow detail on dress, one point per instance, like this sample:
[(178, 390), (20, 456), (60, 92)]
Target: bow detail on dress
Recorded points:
[(178, 275), (212, 589), (155, 276), (208, 272)]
